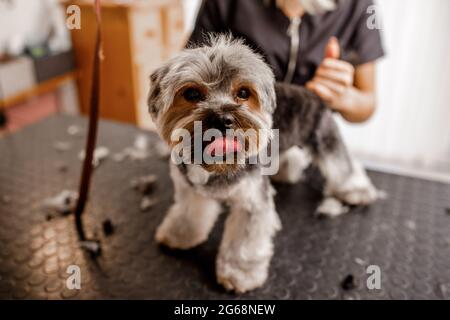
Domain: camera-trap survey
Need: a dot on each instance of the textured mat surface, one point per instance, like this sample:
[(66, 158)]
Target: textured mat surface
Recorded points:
[(407, 235)]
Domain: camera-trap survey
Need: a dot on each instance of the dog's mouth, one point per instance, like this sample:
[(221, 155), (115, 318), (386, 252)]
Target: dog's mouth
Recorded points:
[(223, 146)]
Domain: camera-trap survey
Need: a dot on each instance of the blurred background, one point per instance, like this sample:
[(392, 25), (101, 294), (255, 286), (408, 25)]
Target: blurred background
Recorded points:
[(46, 52)]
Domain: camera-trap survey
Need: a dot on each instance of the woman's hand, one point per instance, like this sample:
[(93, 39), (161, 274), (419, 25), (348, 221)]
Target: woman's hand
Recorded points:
[(333, 80), (346, 90)]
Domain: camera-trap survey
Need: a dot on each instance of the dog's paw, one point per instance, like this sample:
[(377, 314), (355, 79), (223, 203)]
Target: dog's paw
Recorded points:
[(362, 196), (358, 190), (331, 207), (241, 277), (175, 236), (188, 224)]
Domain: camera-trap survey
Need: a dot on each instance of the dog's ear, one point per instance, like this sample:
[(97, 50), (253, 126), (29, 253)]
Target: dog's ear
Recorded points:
[(154, 95)]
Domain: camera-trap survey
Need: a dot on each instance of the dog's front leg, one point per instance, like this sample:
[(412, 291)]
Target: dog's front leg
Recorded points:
[(190, 219), (247, 243)]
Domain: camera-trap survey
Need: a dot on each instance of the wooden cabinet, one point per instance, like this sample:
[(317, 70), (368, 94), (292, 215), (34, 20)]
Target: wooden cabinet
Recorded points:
[(137, 37)]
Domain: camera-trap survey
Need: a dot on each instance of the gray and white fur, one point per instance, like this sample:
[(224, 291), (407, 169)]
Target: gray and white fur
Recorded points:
[(303, 120)]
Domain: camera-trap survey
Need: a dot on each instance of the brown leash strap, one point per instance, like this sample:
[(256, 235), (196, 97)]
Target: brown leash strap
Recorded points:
[(92, 133)]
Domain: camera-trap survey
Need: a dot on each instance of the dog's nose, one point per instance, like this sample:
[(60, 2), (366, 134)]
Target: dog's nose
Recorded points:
[(227, 120), (219, 120)]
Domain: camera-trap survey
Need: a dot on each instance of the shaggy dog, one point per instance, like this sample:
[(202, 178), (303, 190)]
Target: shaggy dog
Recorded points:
[(204, 101)]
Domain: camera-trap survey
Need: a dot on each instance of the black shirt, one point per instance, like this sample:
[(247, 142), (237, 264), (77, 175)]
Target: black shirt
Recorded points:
[(264, 27)]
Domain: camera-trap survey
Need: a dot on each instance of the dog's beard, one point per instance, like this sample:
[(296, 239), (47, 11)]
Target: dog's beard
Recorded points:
[(249, 133)]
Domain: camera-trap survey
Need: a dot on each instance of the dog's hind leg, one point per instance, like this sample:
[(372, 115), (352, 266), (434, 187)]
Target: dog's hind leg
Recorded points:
[(190, 219), (346, 182)]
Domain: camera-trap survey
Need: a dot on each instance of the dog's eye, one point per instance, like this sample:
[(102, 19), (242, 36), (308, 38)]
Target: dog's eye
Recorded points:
[(192, 95), (243, 94)]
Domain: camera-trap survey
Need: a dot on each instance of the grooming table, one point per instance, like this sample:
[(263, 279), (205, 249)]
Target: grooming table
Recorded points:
[(406, 235)]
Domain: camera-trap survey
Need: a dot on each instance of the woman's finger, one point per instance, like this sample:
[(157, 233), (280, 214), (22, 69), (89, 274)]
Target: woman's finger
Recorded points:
[(321, 90), (337, 88), (332, 49), (342, 77), (336, 64)]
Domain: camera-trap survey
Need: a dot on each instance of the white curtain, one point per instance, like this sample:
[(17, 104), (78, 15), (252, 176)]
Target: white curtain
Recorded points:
[(412, 124)]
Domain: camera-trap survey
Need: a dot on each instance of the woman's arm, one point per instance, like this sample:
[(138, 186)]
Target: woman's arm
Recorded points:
[(362, 98)]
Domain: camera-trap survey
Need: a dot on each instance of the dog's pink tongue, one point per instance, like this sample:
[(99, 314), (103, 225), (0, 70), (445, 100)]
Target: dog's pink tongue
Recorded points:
[(221, 146)]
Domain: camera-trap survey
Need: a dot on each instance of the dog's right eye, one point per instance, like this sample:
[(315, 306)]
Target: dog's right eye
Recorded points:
[(192, 95)]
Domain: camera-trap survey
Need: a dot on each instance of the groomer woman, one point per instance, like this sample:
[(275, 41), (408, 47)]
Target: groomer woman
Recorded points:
[(330, 46)]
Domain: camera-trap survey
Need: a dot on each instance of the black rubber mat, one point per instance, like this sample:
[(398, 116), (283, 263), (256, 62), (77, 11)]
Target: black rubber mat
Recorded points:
[(407, 235)]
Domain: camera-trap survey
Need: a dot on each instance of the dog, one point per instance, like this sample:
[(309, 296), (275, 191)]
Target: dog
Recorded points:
[(223, 86)]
